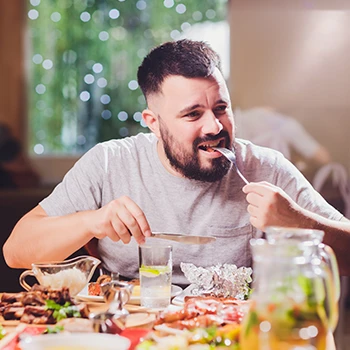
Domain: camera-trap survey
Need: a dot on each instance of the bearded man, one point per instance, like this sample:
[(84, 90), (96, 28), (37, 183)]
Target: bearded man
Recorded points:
[(171, 180)]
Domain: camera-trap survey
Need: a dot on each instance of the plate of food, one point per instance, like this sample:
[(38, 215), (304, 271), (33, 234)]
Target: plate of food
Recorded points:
[(92, 292)]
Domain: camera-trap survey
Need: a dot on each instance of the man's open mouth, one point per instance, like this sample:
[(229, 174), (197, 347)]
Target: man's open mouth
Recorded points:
[(207, 146)]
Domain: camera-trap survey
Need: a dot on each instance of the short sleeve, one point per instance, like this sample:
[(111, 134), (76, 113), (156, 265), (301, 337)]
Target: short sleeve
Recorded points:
[(81, 188)]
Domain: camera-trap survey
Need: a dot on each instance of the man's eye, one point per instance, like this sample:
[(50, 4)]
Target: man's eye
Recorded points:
[(194, 114), (221, 109)]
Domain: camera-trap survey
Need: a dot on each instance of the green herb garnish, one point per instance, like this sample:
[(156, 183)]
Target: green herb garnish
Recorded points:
[(54, 330), (62, 311)]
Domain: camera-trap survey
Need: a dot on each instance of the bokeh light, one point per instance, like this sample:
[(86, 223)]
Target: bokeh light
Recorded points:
[(102, 82), (133, 85), (180, 8), (114, 13), (56, 17), (97, 68), (85, 16), (123, 116), (37, 58), (168, 3), (106, 114), (40, 89), (105, 99), (89, 78), (33, 14), (84, 96)]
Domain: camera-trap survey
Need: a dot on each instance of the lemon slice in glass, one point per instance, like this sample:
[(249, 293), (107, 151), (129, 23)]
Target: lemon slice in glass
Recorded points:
[(153, 271)]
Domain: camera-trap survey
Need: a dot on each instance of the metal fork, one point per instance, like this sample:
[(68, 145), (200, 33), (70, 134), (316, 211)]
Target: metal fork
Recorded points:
[(231, 156)]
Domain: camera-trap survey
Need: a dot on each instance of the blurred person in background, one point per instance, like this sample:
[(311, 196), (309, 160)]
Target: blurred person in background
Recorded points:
[(15, 170), (266, 127)]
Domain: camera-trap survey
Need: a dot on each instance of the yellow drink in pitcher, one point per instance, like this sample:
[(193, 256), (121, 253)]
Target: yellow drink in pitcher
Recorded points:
[(284, 326)]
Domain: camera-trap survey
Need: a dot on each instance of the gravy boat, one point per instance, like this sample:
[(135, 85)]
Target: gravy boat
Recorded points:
[(72, 273)]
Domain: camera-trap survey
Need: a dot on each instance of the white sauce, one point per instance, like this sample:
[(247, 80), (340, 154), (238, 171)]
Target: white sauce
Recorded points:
[(73, 278)]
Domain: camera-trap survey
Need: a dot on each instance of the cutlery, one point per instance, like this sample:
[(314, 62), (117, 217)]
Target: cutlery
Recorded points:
[(177, 237), (231, 156)]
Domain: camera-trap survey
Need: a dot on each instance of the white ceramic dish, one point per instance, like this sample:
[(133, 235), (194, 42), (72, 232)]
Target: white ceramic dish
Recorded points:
[(180, 298), (88, 341), (84, 295)]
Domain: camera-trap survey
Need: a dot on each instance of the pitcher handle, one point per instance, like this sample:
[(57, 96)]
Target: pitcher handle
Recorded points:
[(328, 256), (22, 277)]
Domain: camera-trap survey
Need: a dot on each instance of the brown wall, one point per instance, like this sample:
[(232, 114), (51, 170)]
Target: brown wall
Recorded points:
[(295, 56), (12, 97)]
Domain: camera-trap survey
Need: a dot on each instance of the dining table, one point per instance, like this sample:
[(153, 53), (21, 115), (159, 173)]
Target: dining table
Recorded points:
[(139, 321)]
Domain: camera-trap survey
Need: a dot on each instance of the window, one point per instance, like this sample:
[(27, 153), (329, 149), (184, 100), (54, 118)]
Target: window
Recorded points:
[(82, 63)]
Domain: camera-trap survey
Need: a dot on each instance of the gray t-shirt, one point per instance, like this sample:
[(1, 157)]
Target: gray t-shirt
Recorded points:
[(131, 167)]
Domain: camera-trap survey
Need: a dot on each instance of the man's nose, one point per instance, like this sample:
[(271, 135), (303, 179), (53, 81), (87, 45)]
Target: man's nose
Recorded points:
[(211, 124)]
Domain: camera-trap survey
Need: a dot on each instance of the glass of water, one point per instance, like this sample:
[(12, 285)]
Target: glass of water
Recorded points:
[(155, 267)]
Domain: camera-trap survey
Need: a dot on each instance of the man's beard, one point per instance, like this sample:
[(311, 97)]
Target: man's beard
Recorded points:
[(188, 163)]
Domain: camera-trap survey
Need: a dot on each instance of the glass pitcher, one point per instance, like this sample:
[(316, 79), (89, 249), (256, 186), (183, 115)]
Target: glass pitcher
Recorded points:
[(294, 303)]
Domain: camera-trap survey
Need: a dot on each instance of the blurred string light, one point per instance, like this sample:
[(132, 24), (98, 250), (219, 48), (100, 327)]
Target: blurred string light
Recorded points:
[(141, 5), (114, 14), (137, 116), (197, 15), (106, 114), (123, 131), (37, 58), (174, 34), (85, 16), (39, 148), (102, 82), (105, 99), (33, 14), (56, 17), (141, 100), (40, 89), (35, 2), (185, 26), (97, 68), (103, 36), (89, 78), (84, 96), (133, 85), (180, 8), (81, 140), (123, 116), (168, 3), (47, 64), (210, 14)]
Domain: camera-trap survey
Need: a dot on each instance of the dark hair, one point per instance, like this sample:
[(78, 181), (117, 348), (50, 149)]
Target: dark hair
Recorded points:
[(190, 59)]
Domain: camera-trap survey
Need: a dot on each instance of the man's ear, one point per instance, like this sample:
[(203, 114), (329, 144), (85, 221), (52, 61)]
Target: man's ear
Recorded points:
[(151, 121)]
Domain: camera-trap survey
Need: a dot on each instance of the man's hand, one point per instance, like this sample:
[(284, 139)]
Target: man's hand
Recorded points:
[(271, 206), (119, 220)]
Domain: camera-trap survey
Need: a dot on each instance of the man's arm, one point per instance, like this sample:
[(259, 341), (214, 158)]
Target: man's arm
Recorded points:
[(271, 206), (38, 237)]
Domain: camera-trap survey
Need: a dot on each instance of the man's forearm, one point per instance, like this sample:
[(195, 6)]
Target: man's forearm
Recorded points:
[(39, 238)]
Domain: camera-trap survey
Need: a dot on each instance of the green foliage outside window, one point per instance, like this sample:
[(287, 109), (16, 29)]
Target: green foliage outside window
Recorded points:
[(82, 63)]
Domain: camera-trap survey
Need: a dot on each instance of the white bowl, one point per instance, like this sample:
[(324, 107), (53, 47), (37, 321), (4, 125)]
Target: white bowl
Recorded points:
[(75, 341)]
